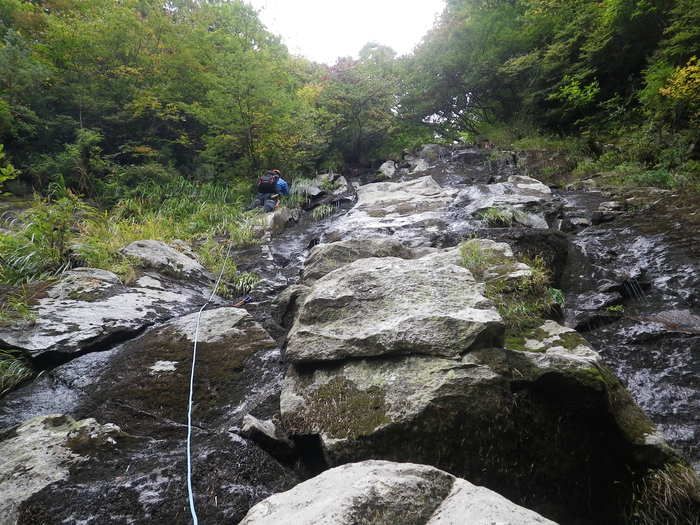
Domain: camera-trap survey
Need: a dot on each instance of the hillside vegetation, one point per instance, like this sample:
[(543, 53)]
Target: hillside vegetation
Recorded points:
[(149, 118)]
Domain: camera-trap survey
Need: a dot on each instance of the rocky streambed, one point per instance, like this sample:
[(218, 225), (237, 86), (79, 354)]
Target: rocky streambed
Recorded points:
[(374, 365)]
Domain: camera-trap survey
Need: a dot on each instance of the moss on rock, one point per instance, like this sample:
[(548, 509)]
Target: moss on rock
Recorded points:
[(340, 410)]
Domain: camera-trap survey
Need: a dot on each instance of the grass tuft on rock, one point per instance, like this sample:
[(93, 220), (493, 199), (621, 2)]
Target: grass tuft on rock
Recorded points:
[(667, 495), (322, 212), (14, 369), (477, 259), (497, 217), (524, 301)]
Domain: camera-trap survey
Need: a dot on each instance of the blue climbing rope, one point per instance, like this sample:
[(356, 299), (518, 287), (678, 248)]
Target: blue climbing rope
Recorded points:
[(189, 406)]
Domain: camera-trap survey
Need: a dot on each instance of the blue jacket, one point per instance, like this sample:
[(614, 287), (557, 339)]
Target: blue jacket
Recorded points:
[(282, 186)]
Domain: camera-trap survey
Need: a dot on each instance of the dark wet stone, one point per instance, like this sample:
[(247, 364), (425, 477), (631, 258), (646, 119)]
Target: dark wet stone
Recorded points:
[(142, 480), (143, 387), (651, 257), (146, 384), (56, 391)]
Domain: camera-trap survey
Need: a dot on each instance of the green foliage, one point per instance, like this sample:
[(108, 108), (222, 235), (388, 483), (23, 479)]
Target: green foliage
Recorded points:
[(595, 73), (243, 283), (557, 296), (322, 212), (616, 309), (14, 369), (80, 165), (7, 170), (497, 217), (575, 95), (42, 246), (475, 258), (328, 184)]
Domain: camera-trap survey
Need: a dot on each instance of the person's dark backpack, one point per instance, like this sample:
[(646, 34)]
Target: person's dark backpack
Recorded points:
[(268, 183)]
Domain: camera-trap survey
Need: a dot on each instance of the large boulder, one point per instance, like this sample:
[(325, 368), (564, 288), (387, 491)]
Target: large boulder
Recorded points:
[(238, 366), (396, 359), (90, 309), (412, 211), (381, 492), (388, 169), (166, 260), (381, 306), (142, 387), (524, 200)]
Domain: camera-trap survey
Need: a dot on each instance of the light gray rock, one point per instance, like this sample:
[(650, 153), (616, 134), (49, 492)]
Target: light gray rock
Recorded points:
[(420, 165), (324, 258), (607, 211), (500, 263), (382, 492), (411, 211), (280, 219), (285, 307), (526, 200), (89, 307), (380, 306), (388, 169), (40, 452), (433, 152), (468, 504), (165, 259)]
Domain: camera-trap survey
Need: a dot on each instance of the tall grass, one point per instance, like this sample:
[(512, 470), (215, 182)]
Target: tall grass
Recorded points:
[(56, 235)]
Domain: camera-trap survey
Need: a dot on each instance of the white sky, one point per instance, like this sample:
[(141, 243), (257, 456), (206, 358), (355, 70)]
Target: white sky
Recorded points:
[(323, 30)]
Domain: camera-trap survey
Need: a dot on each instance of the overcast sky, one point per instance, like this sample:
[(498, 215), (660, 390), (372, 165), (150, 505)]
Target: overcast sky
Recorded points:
[(324, 30)]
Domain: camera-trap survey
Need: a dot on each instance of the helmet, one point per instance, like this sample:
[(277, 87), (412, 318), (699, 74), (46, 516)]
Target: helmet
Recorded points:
[(276, 172)]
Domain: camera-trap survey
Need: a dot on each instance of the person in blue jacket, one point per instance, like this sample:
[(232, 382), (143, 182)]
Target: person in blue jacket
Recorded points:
[(270, 186)]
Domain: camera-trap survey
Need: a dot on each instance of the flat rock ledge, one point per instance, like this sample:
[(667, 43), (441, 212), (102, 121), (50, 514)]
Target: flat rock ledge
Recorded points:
[(91, 309), (382, 492)]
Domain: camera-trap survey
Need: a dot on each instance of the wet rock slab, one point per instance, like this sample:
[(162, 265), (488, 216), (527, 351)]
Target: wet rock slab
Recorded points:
[(142, 387), (41, 452), (527, 201), (142, 480)]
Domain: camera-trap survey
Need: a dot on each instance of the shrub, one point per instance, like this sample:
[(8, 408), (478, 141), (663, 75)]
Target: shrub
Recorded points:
[(41, 248)]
